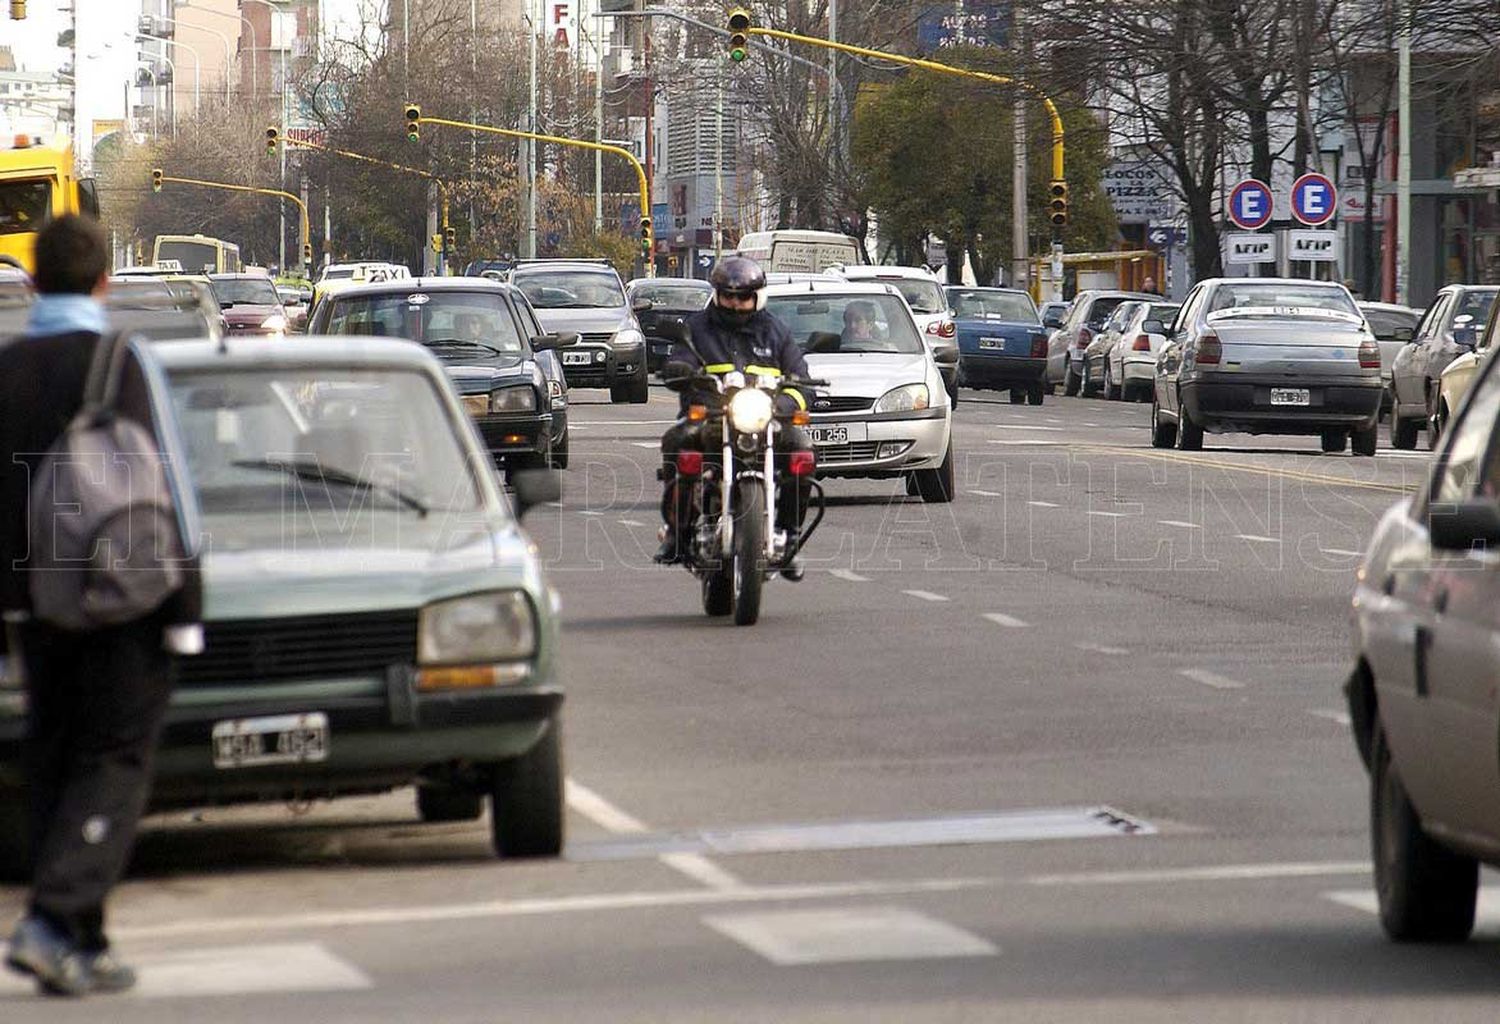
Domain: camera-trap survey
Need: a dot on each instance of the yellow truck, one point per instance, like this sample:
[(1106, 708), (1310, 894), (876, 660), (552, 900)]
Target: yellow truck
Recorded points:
[(38, 182)]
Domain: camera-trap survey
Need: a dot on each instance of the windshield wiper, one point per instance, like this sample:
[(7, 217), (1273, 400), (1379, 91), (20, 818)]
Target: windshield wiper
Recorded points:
[(305, 470), (462, 343)]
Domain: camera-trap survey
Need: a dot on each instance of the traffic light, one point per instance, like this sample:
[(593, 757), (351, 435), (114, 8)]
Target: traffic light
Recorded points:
[(413, 123), (1057, 209), (156, 179), (273, 139), (450, 238), (17, 10), (646, 237), (739, 34), (437, 242)]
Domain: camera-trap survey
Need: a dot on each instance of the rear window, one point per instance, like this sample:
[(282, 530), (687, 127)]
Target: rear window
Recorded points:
[(1101, 309), (999, 305), (1281, 295), (1386, 322), (571, 289), (675, 297), (244, 291)]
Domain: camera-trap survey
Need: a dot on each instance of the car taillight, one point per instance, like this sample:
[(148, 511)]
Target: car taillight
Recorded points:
[(942, 328), (690, 463), (1209, 350), (1038, 346), (1369, 355), (1084, 337), (1142, 343), (803, 463)]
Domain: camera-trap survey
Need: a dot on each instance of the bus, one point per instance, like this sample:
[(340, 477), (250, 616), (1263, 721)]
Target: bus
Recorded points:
[(37, 183), (198, 254)]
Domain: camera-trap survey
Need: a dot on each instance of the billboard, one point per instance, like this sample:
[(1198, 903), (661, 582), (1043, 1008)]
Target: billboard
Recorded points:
[(963, 23)]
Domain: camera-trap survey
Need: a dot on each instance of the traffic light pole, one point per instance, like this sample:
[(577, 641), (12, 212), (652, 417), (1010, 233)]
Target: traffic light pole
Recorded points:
[(648, 236), (276, 192)]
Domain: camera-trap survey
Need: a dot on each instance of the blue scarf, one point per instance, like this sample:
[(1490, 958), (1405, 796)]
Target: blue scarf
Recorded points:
[(65, 314)]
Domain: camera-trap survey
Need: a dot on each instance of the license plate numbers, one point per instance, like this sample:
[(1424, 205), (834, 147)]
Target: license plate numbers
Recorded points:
[(1291, 396), (476, 405), (842, 433), (992, 343), (276, 739), (577, 358)]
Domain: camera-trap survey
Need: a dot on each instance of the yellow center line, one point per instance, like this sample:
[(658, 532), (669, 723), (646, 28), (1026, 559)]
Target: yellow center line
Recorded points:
[(1211, 463)]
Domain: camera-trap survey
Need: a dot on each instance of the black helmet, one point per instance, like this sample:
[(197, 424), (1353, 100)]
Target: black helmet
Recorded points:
[(737, 275)]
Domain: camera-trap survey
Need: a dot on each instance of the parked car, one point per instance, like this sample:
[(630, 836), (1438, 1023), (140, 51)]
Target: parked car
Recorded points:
[(1393, 326), (1458, 376), (1267, 356), (488, 342), (1130, 363), (1422, 698), (374, 616), (1096, 355), (661, 304), (1002, 344), (1086, 316), (930, 309), (296, 300), (1053, 314), (883, 412), (1449, 328), (586, 297), (165, 309)]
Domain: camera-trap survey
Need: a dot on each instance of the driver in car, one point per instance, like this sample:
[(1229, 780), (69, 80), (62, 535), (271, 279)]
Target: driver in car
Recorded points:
[(859, 324)]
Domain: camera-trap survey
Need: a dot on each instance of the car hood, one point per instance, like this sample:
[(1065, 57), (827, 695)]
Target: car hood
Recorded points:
[(868, 376), (587, 321), (399, 561), (473, 376)]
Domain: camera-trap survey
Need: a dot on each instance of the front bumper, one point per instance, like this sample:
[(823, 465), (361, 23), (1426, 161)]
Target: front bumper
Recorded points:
[(987, 371), (606, 365), (1244, 404), (515, 433), (912, 441)]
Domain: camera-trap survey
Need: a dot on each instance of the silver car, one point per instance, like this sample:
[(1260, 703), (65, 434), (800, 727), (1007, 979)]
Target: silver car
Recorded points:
[(585, 297), (1130, 363), (1422, 696), (884, 413), (1268, 356)]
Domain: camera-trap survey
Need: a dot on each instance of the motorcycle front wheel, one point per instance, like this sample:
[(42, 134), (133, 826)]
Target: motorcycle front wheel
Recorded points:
[(748, 562), (718, 591)]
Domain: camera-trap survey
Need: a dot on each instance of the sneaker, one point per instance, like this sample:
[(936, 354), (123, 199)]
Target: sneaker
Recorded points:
[(670, 551), (37, 949), (107, 973), (793, 570)]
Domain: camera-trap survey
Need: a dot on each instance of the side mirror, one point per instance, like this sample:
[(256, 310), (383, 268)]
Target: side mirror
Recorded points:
[(547, 342), (533, 487), (1052, 320), (1461, 526), (642, 306)]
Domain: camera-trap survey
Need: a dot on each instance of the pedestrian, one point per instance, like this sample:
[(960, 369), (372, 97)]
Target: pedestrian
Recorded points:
[(95, 699), (1148, 286)]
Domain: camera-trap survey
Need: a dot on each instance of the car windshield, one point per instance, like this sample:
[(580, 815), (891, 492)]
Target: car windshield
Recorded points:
[(924, 297), (1282, 296), (244, 291), (824, 323), (994, 304), (1100, 311), (24, 206), (337, 273), (445, 319), (193, 257), (571, 289), (326, 448), (674, 297), (1163, 312)]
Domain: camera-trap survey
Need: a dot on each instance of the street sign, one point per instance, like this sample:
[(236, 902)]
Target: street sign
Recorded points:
[(1315, 199), (1249, 248), (1250, 204), (705, 261), (1166, 237), (1317, 246)]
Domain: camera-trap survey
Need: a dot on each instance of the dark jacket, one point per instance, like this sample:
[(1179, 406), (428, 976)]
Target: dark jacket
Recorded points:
[(719, 346), (41, 390)]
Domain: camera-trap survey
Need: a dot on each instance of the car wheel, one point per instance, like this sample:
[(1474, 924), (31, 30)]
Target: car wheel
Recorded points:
[(1112, 391), (1189, 434), (639, 390), (1087, 387), (1163, 435), (1035, 393), (1050, 388), (1071, 380), (1017, 396), (936, 485), (1334, 441), (718, 594), (1363, 442), (560, 452), (1435, 421), (1426, 892), (526, 799), (445, 803), (15, 837), (1403, 432)]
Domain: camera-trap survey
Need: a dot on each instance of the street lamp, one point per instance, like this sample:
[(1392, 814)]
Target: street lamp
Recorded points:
[(223, 38), (254, 39), (197, 69)]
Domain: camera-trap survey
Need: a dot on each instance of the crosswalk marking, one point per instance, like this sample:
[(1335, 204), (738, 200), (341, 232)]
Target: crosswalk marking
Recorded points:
[(793, 938)]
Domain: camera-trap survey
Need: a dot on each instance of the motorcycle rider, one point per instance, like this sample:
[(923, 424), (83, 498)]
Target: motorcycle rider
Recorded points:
[(733, 332)]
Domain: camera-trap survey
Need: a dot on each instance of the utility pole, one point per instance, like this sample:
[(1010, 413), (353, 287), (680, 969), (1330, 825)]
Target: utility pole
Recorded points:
[(598, 131), (719, 167), (1020, 237), (833, 75), (1403, 155), (529, 249)]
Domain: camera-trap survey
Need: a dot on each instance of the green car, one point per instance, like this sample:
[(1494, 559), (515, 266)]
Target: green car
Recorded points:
[(374, 615)]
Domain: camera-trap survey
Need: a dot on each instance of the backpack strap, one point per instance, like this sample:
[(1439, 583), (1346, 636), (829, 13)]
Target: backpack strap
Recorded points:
[(101, 387)]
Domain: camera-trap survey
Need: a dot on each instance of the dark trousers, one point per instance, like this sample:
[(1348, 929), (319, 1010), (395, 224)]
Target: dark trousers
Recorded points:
[(678, 504), (96, 702)]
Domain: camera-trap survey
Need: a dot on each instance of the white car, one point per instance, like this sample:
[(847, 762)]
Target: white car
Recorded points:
[(1130, 364), (884, 413), (924, 293)]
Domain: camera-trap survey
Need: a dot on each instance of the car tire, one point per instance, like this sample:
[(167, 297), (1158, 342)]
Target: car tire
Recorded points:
[(1087, 387), (1163, 435), (638, 391), (1050, 388), (560, 452), (1437, 424), (1189, 434), (1112, 391), (1425, 891), (15, 838), (1017, 396), (526, 799), (1334, 441), (1364, 442), (1035, 393), (1071, 380), (718, 594), (445, 803), (935, 486), (1403, 432)]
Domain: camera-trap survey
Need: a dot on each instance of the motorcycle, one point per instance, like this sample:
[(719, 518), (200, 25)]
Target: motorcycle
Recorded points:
[(733, 544)]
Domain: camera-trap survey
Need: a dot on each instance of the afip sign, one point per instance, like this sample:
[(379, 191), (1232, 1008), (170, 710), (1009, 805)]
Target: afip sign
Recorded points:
[(1315, 199), (1249, 248), (1250, 204), (1316, 246)]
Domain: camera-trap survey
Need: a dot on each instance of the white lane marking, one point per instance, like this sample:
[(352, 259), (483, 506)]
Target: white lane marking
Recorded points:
[(1342, 552), (631, 522), (1217, 873), (338, 919), (791, 938), (233, 970), (1341, 717), (607, 816), (1181, 523), (645, 444), (1031, 444), (1101, 649), (1207, 678), (924, 595), (1257, 538), (1486, 911), (847, 576), (574, 423), (589, 512), (1052, 419), (1024, 426), (1044, 504), (1108, 515), (1001, 619), (985, 494)]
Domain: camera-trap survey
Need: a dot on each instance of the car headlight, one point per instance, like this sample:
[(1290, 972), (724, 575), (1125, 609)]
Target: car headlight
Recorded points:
[(517, 399), (911, 398), (628, 338), (750, 410), (274, 322), (480, 628)]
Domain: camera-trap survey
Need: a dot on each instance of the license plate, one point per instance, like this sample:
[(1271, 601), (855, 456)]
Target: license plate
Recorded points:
[(477, 405), (1291, 396), (276, 739), (577, 358), (842, 433), (992, 343)]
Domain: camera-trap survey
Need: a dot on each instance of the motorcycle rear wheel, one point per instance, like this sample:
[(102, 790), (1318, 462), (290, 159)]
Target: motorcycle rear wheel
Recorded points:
[(748, 559)]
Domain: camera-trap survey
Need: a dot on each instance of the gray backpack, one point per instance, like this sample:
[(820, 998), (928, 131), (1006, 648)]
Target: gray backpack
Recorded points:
[(105, 548)]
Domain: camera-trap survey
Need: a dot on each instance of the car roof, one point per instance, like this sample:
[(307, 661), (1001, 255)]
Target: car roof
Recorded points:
[(544, 265), (247, 275), (408, 285), (987, 288), (866, 271), (676, 282), (1388, 307), (829, 286), (303, 350)]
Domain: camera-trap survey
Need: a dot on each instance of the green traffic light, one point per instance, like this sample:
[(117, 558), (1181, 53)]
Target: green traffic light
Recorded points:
[(413, 137), (737, 54)]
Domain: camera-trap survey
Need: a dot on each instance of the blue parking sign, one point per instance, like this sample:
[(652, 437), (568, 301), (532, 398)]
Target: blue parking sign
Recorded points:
[(1315, 199), (1250, 204)]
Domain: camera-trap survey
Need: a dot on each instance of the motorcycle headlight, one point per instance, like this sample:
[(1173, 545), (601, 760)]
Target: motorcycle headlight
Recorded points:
[(518, 399), (628, 338), (750, 410), (275, 322), (911, 398), (480, 628)]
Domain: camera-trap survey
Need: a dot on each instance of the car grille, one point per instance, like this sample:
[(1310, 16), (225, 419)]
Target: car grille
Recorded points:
[(841, 403), (595, 338), (843, 454), (302, 647)]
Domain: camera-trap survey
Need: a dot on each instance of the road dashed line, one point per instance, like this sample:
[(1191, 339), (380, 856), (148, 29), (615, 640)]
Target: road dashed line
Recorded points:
[(1257, 538), (1102, 649), (985, 494), (1342, 552), (848, 576), (924, 595), (1106, 515), (1340, 717), (1182, 523), (631, 522), (1008, 621), (1043, 504), (1213, 679)]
